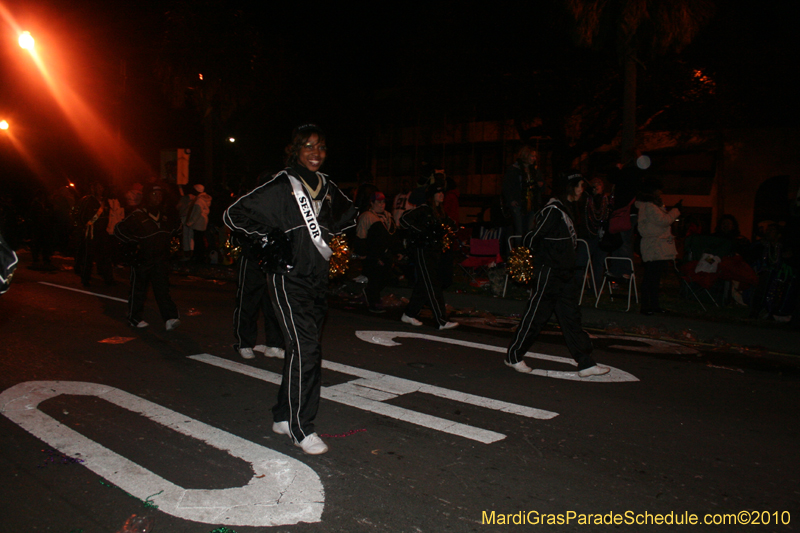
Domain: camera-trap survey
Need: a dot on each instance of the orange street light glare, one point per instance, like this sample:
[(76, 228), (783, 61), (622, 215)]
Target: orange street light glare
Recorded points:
[(3, 125), (26, 41)]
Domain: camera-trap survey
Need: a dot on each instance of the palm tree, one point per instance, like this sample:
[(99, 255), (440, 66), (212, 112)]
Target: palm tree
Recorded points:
[(638, 30)]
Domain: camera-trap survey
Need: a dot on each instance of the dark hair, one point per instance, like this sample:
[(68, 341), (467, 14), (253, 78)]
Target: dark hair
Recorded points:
[(524, 151), (300, 136), (734, 231)]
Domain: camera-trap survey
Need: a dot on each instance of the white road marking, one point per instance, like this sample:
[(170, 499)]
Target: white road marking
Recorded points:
[(84, 292), (384, 338), (372, 389), (282, 491)]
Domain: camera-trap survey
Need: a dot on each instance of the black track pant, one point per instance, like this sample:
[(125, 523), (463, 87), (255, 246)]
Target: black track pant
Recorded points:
[(301, 314), (553, 291), (252, 297), (157, 274), (428, 287)]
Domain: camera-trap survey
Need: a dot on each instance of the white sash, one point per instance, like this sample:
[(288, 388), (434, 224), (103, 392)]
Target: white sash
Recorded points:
[(307, 210)]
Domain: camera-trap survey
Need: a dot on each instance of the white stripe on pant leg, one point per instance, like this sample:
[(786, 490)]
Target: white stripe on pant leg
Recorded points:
[(133, 293), (294, 353), (540, 294), (429, 287), (237, 313), (528, 310)]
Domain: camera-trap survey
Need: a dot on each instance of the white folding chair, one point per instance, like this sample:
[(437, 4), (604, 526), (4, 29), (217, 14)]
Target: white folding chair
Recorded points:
[(510, 238), (631, 282), (588, 272)]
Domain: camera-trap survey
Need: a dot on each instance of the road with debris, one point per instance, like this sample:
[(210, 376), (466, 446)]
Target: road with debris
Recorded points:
[(428, 430)]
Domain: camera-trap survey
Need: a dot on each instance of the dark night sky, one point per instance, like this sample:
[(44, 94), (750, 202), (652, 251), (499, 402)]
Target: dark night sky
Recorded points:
[(338, 65)]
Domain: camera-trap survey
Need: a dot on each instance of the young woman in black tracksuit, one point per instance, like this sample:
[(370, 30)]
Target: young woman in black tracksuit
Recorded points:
[(425, 226), (308, 209), (555, 287), (152, 227)]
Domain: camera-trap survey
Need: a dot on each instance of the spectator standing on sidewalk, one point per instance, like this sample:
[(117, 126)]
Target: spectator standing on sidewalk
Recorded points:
[(93, 213), (555, 287), (658, 243)]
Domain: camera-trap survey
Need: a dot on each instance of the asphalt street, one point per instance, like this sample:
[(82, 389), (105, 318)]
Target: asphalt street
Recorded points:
[(428, 430)]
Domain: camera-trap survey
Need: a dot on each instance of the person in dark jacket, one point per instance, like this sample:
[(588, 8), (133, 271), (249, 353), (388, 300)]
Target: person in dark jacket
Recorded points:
[(378, 233), (302, 206), (95, 247), (252, 297), (152, 229), (425, 224), (553, 242), (523, 187)]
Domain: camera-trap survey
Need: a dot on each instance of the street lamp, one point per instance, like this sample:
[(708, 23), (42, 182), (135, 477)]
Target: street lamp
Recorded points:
[(26, 41), (3, 125)]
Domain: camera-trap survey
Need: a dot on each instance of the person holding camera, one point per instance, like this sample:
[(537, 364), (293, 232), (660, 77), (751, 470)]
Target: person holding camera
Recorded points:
[(658, 243)]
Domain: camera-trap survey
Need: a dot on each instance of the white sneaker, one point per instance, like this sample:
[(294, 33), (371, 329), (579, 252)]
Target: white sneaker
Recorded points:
[(142, 324), (520, 367), (410, 320), (595, 370), (312, 445), (173, 323), (246, 353), (277, 353), (260, 348), (281, 428), (449, 325)]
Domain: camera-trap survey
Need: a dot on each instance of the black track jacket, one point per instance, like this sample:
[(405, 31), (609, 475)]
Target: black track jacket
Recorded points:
[(272, 206)]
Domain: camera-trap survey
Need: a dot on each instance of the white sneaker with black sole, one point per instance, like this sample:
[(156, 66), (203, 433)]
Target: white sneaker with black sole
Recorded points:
[(449, 325), (247, 353)]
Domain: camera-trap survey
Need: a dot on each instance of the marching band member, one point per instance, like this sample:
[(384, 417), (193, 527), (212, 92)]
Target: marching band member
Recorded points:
[(426, 231), (302, 206), (555, 287)]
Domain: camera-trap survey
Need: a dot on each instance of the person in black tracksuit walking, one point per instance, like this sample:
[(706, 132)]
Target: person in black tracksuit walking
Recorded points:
[(152, 229), (302, 205), (426, 232), (252, 297), (555, 289)]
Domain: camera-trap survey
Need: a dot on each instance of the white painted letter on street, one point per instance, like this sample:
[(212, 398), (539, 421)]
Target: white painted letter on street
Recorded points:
[(282, 490)]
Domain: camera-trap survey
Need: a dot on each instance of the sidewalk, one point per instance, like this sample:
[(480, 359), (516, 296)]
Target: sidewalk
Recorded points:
[(776, 339), (757, 339)]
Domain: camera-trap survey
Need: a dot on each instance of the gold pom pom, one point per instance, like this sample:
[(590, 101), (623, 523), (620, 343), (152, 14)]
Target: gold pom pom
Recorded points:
[(340, 257), (520, 265), (231, 252), (449, 239)]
